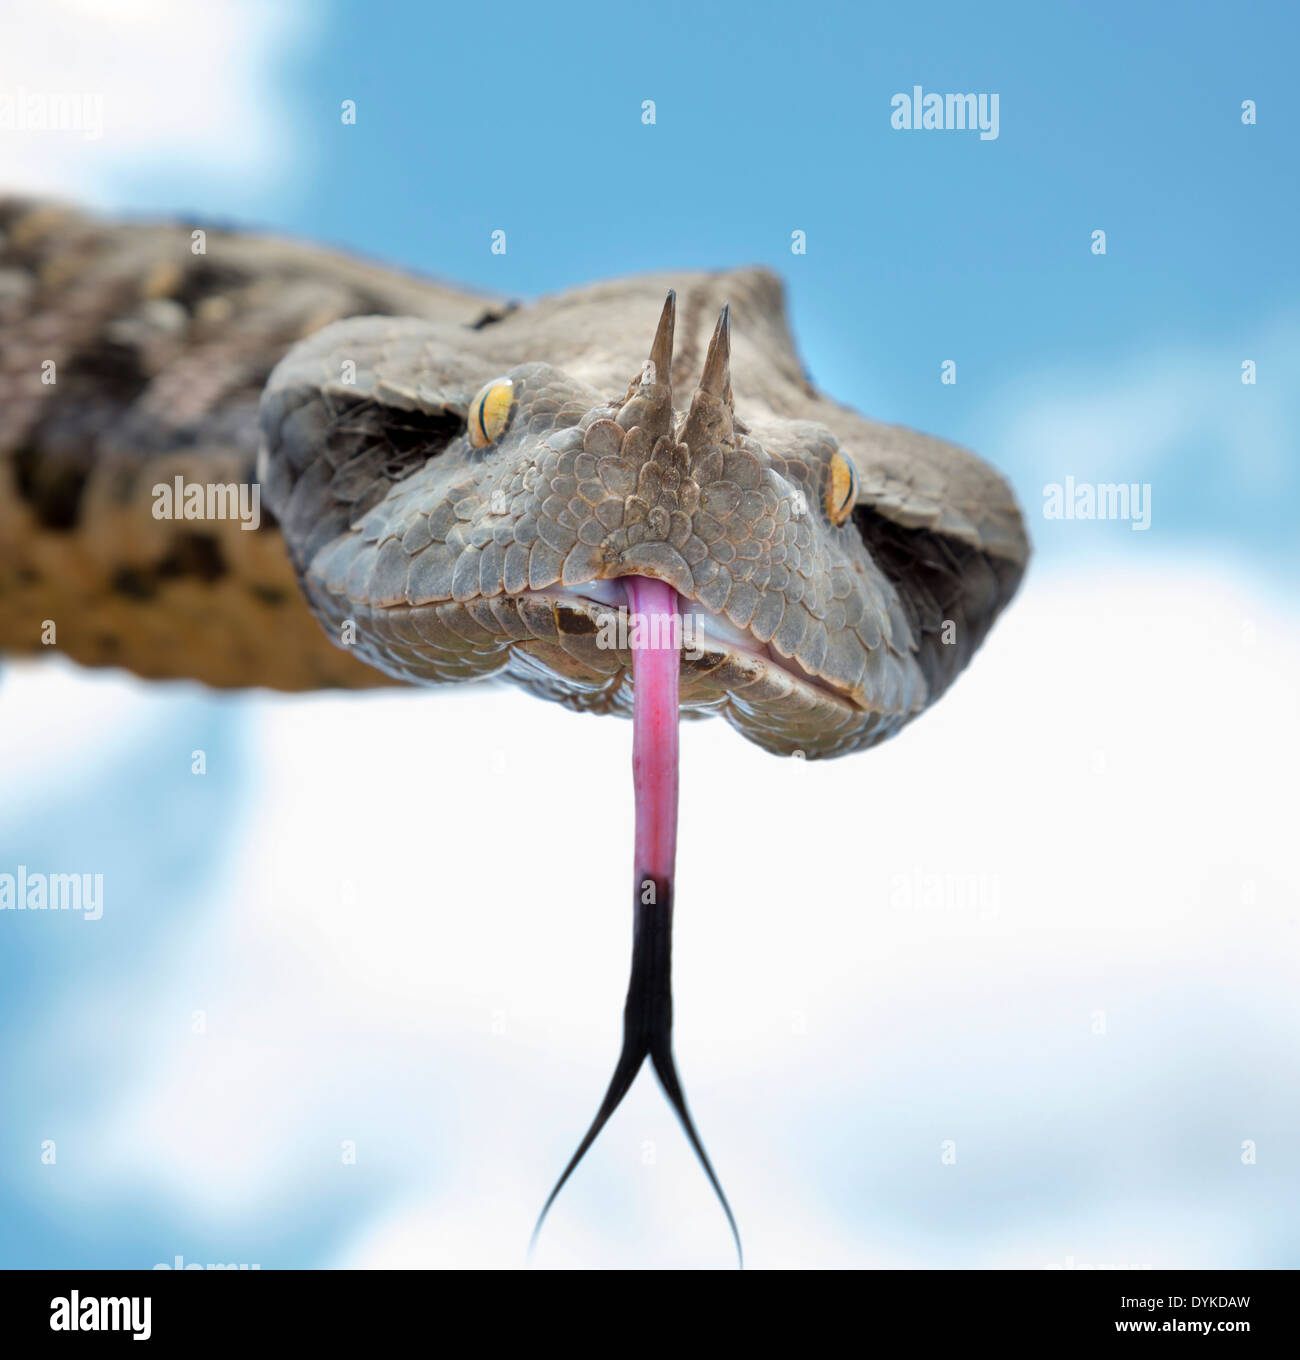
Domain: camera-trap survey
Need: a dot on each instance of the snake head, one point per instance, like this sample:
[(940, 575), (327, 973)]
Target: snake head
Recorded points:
[(462, 503)]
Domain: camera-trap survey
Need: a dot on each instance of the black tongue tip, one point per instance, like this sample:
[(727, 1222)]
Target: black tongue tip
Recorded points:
[(647, 1033)]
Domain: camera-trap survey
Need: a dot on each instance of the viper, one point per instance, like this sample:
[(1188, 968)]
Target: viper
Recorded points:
[(459, 489)]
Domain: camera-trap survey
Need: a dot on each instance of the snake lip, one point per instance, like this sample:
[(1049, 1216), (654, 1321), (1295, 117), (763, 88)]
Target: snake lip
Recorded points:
[(713, 633)]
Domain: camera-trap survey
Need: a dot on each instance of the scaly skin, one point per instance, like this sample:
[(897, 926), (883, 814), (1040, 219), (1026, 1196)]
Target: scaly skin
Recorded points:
[(451, 562)]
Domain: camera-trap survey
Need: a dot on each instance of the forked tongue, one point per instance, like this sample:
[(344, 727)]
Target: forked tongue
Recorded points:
[(654, 640)]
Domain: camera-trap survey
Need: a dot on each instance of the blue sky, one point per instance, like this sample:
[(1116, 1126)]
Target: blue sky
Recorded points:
[(831, 1041), (921, 246)]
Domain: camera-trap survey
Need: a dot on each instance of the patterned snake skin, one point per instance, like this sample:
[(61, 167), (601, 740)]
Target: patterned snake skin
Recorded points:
[(705, 465)]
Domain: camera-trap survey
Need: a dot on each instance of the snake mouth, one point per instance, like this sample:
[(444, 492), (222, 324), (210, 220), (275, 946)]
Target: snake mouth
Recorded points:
[(709, 641), (573, 643)]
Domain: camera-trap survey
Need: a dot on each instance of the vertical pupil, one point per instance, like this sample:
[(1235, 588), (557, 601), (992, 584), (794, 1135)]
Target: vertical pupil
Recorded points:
[(482, 405)]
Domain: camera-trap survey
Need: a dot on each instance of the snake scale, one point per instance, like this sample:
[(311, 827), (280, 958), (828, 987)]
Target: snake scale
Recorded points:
[(460, 489)]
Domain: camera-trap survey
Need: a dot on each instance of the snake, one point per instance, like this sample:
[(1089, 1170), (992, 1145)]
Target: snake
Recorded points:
[(627, 498)]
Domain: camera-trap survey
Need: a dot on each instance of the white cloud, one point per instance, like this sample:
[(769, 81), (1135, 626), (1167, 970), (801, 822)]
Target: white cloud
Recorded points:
[(188, 94)]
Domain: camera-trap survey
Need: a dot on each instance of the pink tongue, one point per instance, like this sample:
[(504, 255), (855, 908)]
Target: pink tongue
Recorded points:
[(655, 643), (656, 664)]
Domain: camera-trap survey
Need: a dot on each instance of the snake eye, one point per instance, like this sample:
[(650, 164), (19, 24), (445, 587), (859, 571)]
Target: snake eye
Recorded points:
[(489, 412), (843, 488)]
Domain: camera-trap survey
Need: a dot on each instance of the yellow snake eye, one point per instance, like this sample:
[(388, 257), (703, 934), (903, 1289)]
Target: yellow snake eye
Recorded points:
[(489, 412), (843, 488)]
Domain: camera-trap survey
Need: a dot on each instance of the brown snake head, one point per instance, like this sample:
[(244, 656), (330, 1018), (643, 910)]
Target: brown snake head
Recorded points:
[(455, 517)]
